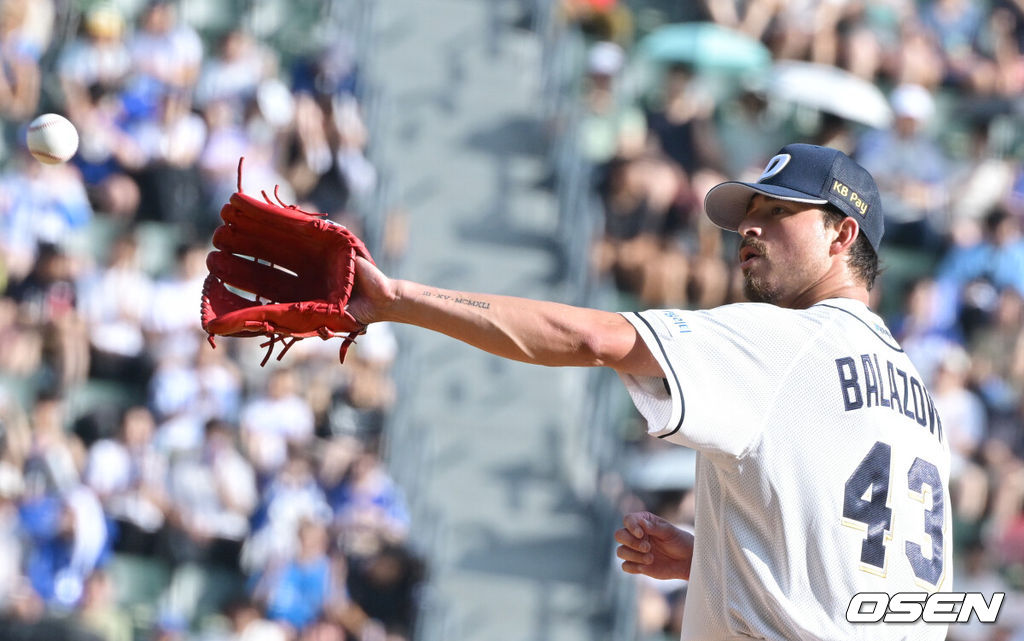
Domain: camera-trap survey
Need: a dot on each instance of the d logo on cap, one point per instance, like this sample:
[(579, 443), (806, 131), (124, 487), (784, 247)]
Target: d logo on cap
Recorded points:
[(774, 166)]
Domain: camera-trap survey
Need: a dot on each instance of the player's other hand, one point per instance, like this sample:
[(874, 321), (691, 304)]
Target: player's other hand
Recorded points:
[(373, 294), (648, 544)]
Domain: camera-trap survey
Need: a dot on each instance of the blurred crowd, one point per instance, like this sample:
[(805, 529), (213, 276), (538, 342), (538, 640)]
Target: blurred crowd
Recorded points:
[(660, 129), (153, 488)]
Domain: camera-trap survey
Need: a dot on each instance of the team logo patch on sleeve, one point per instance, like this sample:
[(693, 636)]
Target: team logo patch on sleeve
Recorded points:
[(673, 323)]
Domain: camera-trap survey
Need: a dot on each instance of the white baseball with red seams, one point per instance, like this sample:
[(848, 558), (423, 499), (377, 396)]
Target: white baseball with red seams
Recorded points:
[(52, 139)]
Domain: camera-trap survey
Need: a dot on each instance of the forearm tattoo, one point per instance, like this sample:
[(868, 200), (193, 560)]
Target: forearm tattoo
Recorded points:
[(458, 299)]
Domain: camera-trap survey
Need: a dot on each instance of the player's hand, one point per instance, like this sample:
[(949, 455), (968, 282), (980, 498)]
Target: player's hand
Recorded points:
[(373, 293), (648, 544)]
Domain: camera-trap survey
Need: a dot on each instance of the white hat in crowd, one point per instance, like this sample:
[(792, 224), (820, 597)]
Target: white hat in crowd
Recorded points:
[(912, 101), (605, 59)]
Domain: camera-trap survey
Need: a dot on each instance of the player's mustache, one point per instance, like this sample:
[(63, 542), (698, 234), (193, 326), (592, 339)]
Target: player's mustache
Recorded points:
[(757, 245)]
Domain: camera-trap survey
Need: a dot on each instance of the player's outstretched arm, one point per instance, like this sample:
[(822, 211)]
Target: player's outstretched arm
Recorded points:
[(538, 332), (648, 544)]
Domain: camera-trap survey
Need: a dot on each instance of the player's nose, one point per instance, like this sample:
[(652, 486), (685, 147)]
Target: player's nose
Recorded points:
[(749, 227)]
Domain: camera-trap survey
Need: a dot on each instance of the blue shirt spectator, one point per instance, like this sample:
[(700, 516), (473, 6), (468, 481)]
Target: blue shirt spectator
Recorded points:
[(298, 591), (997, 258)]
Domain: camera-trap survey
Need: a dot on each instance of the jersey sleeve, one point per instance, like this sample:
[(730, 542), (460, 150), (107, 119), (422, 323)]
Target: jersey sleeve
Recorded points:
[(722, 370)]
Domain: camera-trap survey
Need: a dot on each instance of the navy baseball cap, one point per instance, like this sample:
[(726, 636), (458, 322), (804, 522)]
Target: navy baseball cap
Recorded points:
[(805, 174)]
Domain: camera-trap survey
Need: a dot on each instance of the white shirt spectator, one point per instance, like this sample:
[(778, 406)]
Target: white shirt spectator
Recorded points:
[(269, 423), (292, 496), (166, 50), (962, 411), (214, 494), (173, 390), (180, 433), (170, 321), (113, 302), (109, 467), (121, 476), (11, 486), (209, 389), (40, 204), (237, 70), (85, 62), (178, 140), (90, 540)]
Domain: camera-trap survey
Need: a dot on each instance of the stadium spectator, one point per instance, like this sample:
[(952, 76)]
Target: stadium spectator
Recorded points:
[(369, 509), (307, 161), (212, 493), (997, 348), (681, 121), (997, 256), (113, 301), (911, 170), (926, 326), (107, 155), (20, 51), (956, 26), (169, 324), (68, 535), (347, 127), (98, 612), (235, 72), (47, 301), (171, 142), (384, 587), (272, 422), (39, 204), (97, 60), (610, 127), (128, 474), (12, 485), (291, 496), (298, 590), (247, 623), (917, 59), (166, 55)]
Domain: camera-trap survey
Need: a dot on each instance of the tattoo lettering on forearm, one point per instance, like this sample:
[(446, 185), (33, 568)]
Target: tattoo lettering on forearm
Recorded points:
[(474, 303), (458, 299)]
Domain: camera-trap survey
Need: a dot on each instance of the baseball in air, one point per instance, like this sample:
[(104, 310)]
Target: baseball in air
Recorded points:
[(52, 139)]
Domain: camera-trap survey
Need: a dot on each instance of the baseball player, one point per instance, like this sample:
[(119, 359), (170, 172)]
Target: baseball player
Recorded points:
[(823, 468)]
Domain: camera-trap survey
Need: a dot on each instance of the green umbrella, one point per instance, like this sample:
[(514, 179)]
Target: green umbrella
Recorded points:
[(706, 46)]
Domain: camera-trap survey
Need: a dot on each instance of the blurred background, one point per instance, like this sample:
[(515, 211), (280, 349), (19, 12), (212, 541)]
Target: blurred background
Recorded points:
[(153, 488)]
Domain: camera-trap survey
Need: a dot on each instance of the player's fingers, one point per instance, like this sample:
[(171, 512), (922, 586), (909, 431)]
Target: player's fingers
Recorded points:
[(658, 527), (635, 523), (367, 270), (633, 556), (624, 537), (642, 524), (632, 568)]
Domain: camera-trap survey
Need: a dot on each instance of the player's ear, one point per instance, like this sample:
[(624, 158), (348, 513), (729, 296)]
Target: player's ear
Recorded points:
[(846, 234)]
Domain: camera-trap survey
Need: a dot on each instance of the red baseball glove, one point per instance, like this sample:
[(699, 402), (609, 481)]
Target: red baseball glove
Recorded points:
[(280, 272)]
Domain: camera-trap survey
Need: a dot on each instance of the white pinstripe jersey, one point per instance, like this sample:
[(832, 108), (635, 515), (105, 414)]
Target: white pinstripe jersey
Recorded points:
[(822, 469)]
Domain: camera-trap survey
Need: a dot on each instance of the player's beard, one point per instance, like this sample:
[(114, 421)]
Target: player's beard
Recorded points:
[(758, 289)]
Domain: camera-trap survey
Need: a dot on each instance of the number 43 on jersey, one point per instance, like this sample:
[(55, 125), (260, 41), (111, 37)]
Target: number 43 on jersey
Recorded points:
[(865, 507)]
